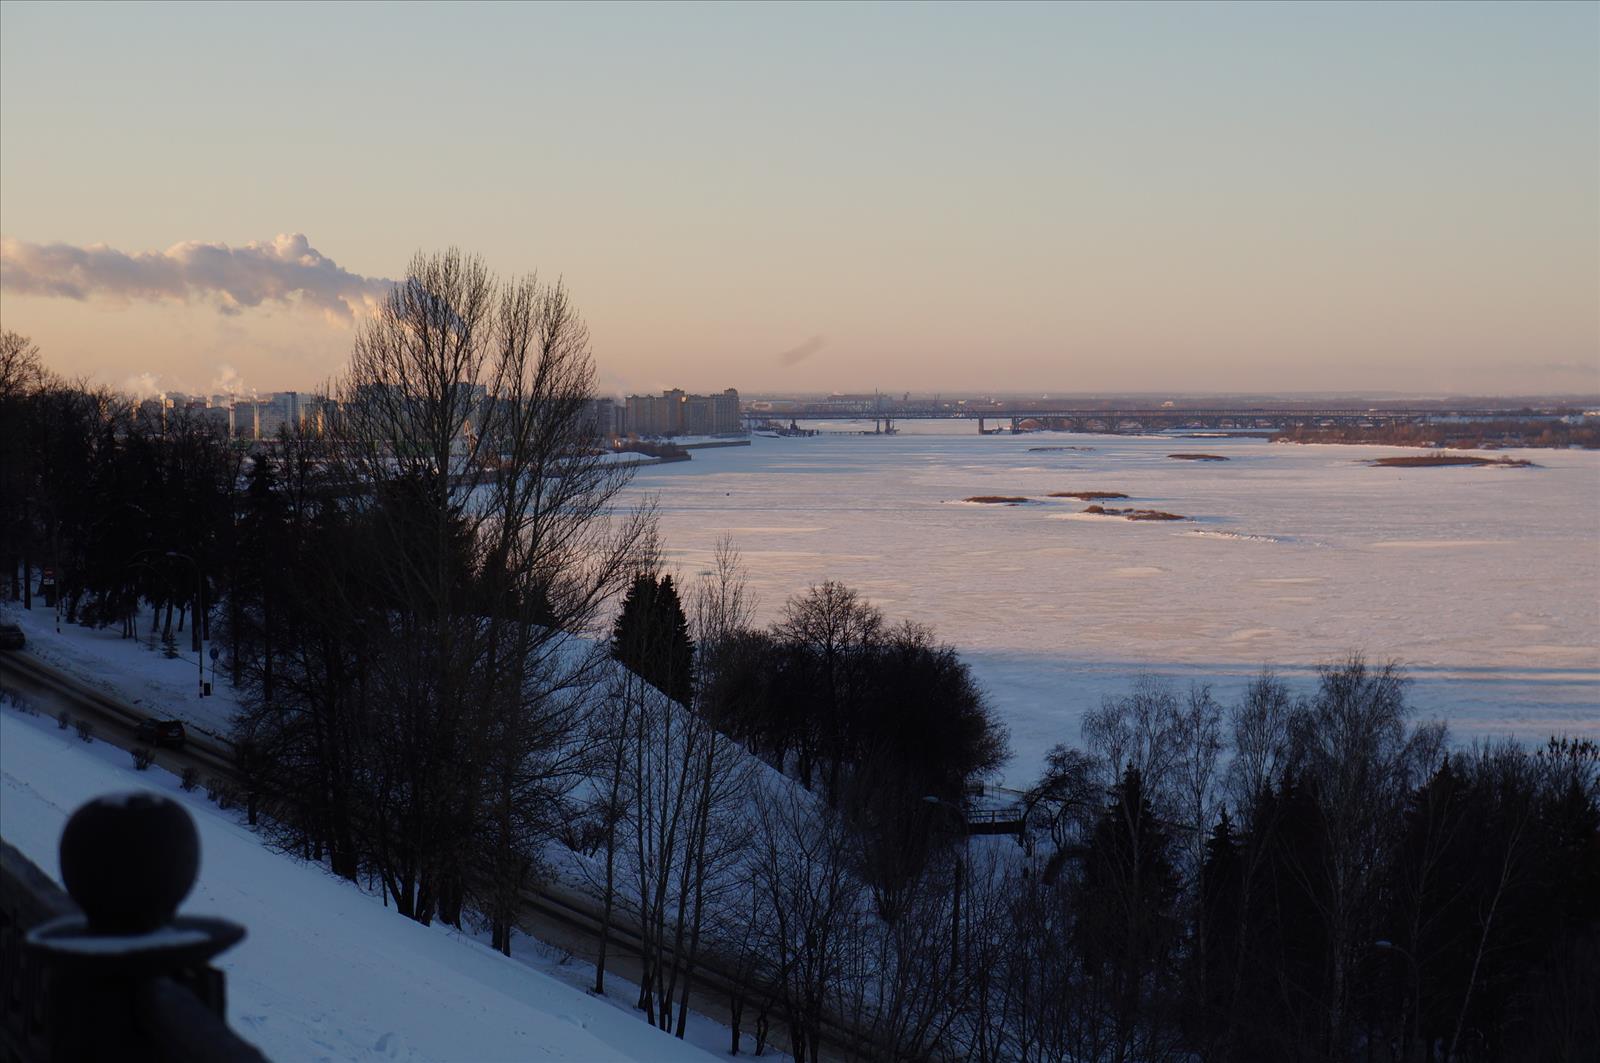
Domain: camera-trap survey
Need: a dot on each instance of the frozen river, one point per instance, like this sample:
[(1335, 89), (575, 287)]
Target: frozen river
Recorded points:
[(1484, 582)]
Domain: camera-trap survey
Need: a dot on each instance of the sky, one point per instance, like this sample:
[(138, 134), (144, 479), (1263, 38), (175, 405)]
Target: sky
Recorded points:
[(1085, 197)]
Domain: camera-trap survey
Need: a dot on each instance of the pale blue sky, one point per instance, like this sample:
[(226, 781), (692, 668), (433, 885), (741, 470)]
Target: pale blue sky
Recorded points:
[(1087, 196)]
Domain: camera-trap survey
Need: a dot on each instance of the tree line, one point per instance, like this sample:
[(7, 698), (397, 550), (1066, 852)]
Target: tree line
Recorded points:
[(1469, 435), (125, 511), (465, 673), (1296, 876)]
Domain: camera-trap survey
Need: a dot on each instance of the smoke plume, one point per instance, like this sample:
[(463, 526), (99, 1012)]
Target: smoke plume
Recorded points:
[(142, 386), (228, 382), (796, 355), (286, 270)]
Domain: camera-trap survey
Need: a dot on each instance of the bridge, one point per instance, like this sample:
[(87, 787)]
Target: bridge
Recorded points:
[(1016, 416)]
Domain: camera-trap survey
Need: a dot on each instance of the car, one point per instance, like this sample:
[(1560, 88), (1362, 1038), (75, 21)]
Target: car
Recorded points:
[(161, 733), (11, 637)]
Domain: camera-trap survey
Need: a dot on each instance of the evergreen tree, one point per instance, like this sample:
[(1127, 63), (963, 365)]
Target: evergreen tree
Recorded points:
[(1217, 939), (674, 667), (1126, 928), (651, 637)]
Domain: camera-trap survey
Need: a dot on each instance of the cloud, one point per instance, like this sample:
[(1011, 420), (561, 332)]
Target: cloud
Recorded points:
[(286, 270), (796, 355)]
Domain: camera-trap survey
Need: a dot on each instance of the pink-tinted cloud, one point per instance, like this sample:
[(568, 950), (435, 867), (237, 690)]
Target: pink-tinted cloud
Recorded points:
[(285, 270)]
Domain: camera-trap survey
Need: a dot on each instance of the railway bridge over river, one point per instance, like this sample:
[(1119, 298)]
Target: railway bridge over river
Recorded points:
[(1018, 417)]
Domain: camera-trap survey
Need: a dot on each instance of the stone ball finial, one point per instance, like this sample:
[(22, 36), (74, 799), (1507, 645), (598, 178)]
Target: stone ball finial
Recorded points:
[(129, 860)]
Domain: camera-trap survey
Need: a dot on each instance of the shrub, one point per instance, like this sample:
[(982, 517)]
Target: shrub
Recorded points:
[(141, 758), (583, 834), (191, 778), (218, 790), (64, 721), (86, 730)]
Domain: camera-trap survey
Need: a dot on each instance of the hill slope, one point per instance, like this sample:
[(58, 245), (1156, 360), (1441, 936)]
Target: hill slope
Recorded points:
[(326, 972)]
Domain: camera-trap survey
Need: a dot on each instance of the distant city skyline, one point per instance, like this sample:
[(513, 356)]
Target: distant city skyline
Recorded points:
[(1076, 198)]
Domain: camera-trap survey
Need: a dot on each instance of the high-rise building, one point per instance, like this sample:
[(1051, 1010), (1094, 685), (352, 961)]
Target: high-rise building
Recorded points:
[(725, 413), (675, 413), (247, 420), (220, 416), (656, 415), (697, 415), (287, 404), (603, 417)]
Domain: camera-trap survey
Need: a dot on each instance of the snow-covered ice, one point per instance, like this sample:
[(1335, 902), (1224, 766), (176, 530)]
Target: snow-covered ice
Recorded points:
[(1484, 582)]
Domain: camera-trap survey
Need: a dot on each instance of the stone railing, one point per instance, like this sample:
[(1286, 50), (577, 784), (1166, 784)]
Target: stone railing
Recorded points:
[(110, 972)]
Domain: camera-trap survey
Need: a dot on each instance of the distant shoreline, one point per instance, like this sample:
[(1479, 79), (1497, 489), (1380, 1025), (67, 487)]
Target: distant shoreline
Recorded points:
[(1465, 435)]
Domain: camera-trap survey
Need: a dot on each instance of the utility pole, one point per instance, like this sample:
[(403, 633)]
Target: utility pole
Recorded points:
[(195, 621)]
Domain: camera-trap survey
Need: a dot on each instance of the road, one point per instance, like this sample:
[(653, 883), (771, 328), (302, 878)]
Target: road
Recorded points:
[(558, 917)]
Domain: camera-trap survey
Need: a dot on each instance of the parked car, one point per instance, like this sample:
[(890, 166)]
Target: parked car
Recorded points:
[(11, 637), (161, 733)]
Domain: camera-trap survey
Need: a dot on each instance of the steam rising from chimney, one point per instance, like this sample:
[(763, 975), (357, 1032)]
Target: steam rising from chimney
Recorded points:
[(287, 270)]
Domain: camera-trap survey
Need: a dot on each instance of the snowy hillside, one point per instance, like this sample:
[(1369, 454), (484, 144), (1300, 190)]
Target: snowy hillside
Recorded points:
[(326, 972)]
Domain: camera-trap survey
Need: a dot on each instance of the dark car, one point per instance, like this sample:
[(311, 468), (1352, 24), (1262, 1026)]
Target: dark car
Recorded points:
[(161, 733), (11, 637)]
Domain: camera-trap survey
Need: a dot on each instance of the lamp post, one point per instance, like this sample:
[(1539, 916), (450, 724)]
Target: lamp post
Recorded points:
[(961, 859), (194, 621), (1385, 945)]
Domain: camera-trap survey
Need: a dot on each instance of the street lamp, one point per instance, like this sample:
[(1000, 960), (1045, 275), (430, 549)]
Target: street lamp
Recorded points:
[(194, 621), (1385, 945)]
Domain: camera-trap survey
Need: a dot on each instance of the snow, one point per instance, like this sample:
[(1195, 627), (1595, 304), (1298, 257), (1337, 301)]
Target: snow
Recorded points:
[(167, 937), (129, 668), (326, 972), (1484, 582)]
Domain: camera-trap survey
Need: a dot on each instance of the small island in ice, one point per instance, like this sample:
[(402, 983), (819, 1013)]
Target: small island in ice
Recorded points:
[(1134, 514), (1430, 461)]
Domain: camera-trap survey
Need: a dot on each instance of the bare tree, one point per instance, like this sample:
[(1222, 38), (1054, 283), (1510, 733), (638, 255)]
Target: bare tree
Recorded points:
[(21, 370), (1262, 722), (674, 789), (1356, 753), (811, 909), (1139, 731), (478, 531), (721, 609)]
